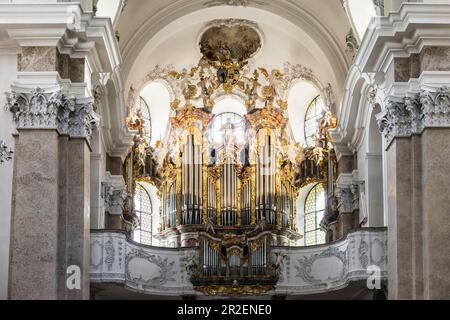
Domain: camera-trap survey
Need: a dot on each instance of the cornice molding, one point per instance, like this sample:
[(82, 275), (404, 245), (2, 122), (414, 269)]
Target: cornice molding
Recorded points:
[(386, 36)]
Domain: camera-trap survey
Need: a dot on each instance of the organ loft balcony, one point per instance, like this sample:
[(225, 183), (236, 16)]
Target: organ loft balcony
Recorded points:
[(236, 267)]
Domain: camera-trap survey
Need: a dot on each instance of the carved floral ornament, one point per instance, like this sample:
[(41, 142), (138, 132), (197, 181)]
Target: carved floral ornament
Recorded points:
[(41, 110), (412, 114)]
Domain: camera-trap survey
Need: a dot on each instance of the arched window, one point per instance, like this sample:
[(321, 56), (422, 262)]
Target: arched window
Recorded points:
[(143, 209), (312, 117), (145, 112), (314, 211)]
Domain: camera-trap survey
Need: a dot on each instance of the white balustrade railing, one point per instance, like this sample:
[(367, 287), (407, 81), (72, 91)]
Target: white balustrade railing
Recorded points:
[(302, 270)]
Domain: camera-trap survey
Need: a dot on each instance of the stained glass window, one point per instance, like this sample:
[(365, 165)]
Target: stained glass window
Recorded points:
[(312, 120), (145, 112), (314, 211), (143, 209)]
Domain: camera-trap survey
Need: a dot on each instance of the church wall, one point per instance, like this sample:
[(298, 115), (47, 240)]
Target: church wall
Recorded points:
[(8, 65), (370, 172)]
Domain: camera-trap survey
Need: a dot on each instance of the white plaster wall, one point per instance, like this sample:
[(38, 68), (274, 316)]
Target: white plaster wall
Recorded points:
[(8, 67), (362, 175), (370, 170), (97, 171), (374, 185)]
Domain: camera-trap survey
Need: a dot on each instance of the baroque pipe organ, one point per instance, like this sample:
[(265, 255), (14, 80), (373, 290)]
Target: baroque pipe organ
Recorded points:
[(226, 180), (229, 181)]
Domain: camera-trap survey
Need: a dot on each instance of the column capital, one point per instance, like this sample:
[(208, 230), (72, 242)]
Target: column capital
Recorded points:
[(114, 193), (348, 198), (411, 114), (51, 109)]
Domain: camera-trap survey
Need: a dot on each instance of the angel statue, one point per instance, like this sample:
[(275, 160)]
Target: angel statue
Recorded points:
[(261, 225), (229, 138), (318, 152), (210, 225)]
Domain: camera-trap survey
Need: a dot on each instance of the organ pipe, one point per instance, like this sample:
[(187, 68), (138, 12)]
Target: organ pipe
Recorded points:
[(227, 190)]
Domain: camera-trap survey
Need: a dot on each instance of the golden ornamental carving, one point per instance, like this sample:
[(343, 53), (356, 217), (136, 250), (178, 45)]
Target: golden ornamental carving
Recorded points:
[(235, 290), (189, 117), (268, 117)]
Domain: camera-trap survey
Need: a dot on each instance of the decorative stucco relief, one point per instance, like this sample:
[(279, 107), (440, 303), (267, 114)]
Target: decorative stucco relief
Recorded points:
[(306, 264), (164, 266)]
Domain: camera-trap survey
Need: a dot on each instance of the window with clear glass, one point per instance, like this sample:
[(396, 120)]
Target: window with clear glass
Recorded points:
[(143, 209), (312, 117), (227, 126), (314, 211), (145, 112)]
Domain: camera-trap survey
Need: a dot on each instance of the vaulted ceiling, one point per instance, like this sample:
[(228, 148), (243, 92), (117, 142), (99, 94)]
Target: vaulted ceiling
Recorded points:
[(307, 32)]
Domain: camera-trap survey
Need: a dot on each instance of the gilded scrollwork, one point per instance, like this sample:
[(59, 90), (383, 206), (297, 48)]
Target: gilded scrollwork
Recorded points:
[(235, 290)]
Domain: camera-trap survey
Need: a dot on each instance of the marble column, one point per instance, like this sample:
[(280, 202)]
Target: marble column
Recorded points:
[(74, 220), (416, 131), (399, 219), (50, 211), (34, 228), (436, 209)]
